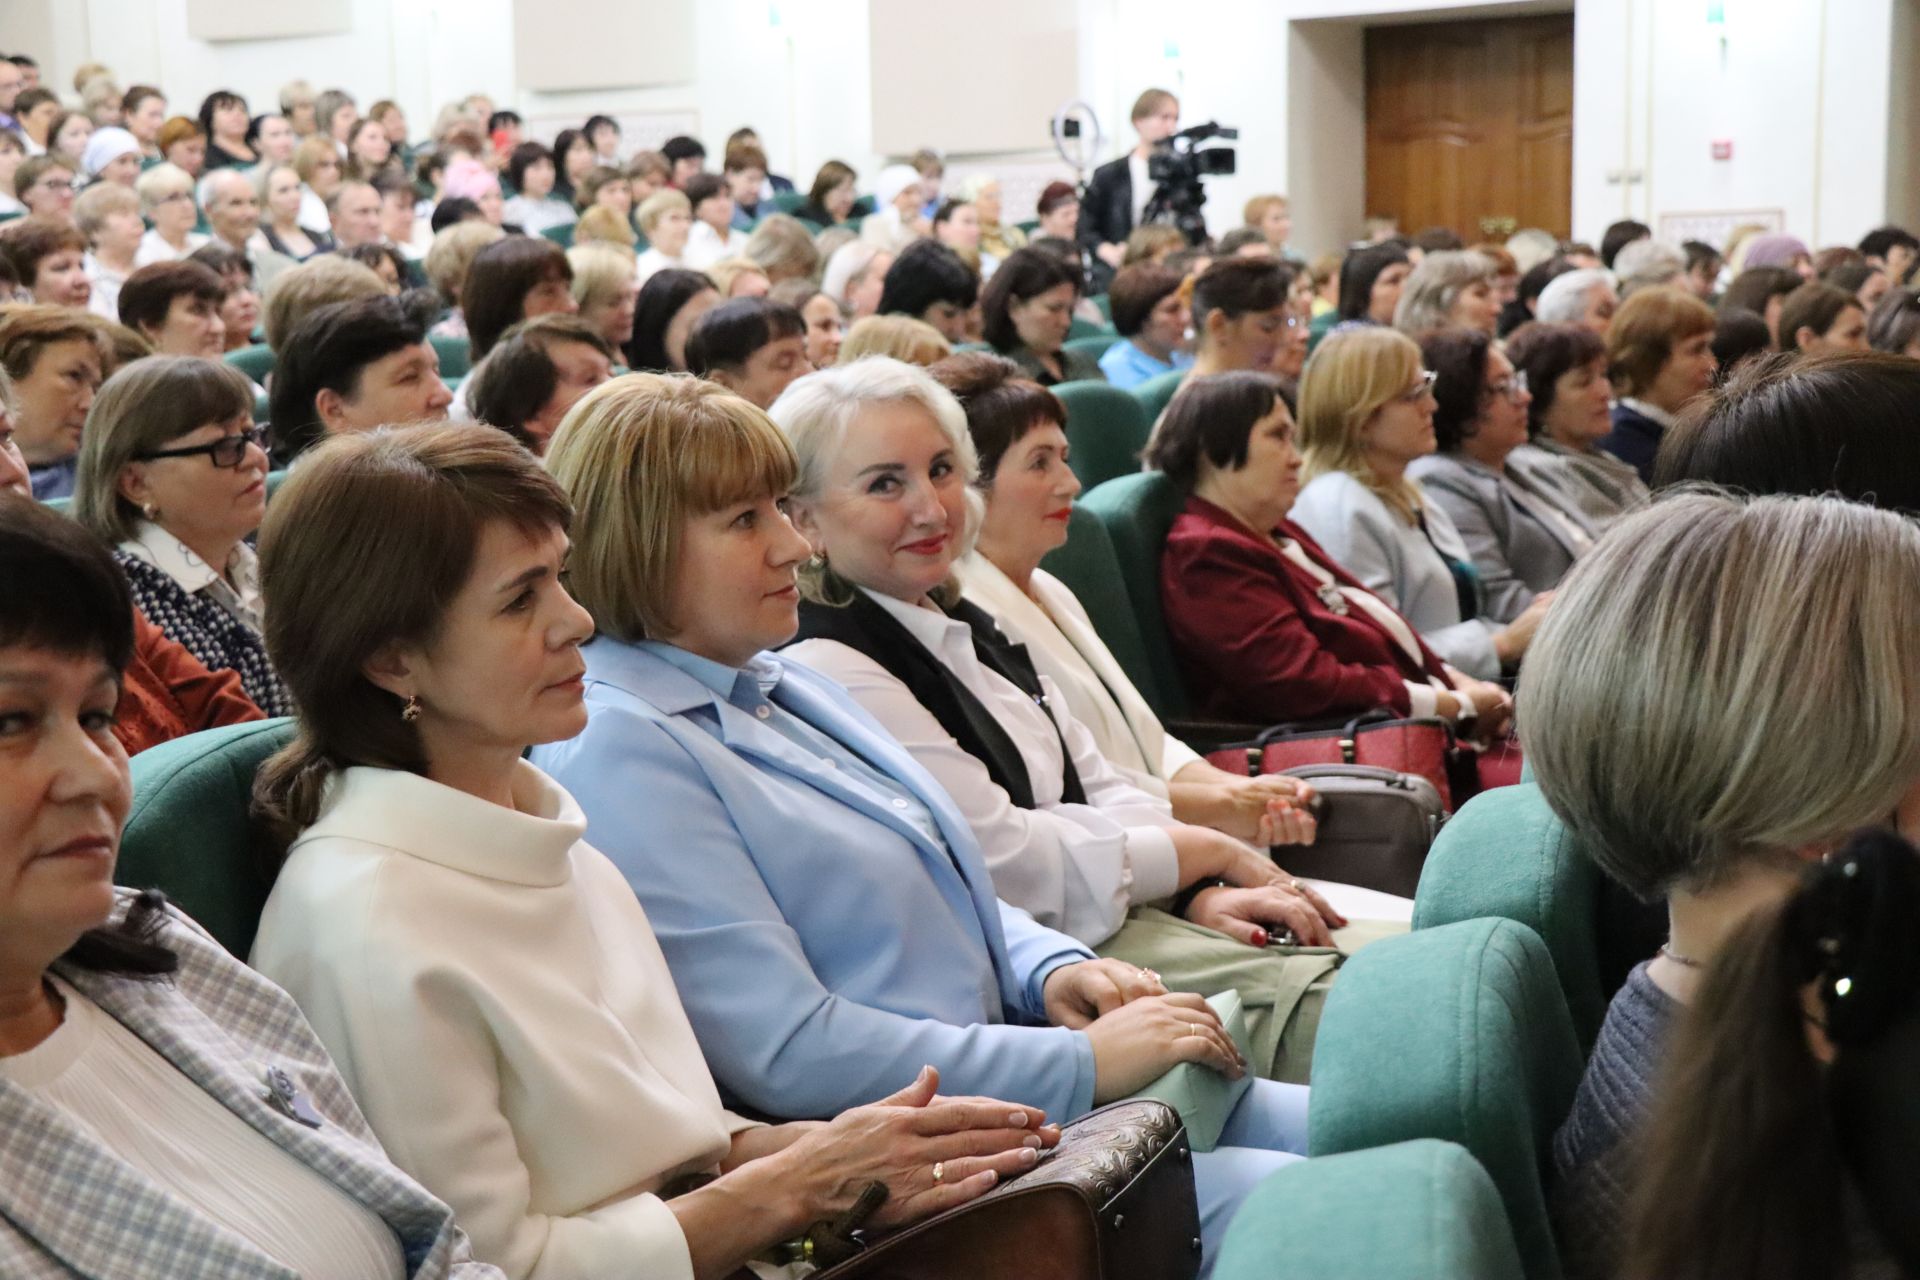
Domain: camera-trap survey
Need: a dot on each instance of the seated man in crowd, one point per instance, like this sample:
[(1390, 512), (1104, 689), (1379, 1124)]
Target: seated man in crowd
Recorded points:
[(353, 366), (354, 211)]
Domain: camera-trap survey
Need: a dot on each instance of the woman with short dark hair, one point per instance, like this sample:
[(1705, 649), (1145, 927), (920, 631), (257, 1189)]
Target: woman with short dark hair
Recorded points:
[(1520, 538), (1818, 318), (1026, 311), (224, 116), (929, 282), (1151, 315), (536, 204), (1763, 291), (830, 200), (1570, 413), (670, 304), (184, 1119), (511, 280), (1240, 309)]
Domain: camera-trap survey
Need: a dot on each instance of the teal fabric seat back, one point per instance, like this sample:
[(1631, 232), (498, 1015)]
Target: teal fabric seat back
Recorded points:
[(786, 201), (1081, 328), (960, 347), (561, 235), (1506, 854), (189, 833), (1458, 1033), (1412, 1211), (456, 357), (1101, 301), (1155, 392), (1137, 510), (255, 361), (1105, 430), (262, 409), (1094, 344), (1090, 569)]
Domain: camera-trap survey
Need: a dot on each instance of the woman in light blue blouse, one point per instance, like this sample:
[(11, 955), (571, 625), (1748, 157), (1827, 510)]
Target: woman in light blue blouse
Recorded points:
[(828, 917)]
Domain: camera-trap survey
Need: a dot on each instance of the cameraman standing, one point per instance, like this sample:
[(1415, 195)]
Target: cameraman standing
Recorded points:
[(1119, 190)]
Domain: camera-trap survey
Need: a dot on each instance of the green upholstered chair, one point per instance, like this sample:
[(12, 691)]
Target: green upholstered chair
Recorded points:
[(1094, 344), (959, 347), (1105, 430), (1103, 302), (1090, 569), (456, 357), (255, 361), (787, 201), (1412, 1211), (561, 235), (1080, 328), (1155, 392), (1460, 1033), (1136, 511), (189, 832), (262, 409), (1506, 854)]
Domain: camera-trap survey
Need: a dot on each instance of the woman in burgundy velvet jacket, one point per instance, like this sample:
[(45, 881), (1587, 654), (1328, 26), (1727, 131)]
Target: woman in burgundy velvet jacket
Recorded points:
[(1264, 624)]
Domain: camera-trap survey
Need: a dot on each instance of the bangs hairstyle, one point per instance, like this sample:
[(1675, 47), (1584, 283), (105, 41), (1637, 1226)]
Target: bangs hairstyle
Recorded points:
[(365, 547), (65, 594), (819, 411), (1646, 329), (1212, 419), (1002, 404), (1544, 352), (148, 403), (1354, 374), (494, 294), (640, 456), (1359, 271), (1722, 682)]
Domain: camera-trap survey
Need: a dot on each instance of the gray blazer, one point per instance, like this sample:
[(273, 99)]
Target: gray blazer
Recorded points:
[(70, 1207), (1600, 485), (1519, 545), (1394, 560)]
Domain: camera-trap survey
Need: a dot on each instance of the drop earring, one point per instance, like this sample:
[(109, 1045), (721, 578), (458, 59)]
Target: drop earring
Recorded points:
[(410, 709)]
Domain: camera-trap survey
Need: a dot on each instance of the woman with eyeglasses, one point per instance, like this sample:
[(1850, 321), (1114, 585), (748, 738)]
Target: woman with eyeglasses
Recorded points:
[(173, 476), (166, 200), (1522, 531), (1367, 408)]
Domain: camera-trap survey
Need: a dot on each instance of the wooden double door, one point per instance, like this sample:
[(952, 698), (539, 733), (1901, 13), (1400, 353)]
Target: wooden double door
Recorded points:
[(1470, 125)]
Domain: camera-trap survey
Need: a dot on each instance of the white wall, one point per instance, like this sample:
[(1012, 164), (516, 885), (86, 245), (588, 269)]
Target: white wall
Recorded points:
[(1804, 89)]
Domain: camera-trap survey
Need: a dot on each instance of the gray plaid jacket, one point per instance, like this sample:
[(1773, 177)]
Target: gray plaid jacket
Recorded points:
[(69, 1206)]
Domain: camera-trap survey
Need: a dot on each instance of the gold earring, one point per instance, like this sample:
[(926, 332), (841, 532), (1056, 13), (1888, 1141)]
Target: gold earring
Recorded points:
[(410, 709)]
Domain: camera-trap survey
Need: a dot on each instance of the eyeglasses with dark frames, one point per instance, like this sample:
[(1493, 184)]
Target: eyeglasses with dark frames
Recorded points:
[(227, 451)]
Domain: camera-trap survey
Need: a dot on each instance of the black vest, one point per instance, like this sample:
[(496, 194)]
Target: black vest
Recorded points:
[(865, 627)]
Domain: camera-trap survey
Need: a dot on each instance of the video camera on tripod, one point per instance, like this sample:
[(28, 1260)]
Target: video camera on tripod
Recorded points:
[(1178, 167)]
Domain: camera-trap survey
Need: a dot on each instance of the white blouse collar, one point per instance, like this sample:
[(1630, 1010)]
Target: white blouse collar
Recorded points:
[(530, 844)]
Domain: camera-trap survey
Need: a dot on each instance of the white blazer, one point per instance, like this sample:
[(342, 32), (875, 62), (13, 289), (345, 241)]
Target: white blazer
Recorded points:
[(494, 995), (1065, 648)]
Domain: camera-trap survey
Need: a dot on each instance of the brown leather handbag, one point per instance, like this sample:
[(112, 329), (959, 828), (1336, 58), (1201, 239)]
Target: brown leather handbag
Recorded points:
[(1114, 1201)]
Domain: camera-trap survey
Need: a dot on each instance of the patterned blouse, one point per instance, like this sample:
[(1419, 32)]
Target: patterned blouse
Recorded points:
[(216, 617)]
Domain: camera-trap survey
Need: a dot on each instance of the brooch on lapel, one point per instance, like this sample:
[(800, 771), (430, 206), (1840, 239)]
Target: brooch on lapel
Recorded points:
[(1332, 597), (284, 1096)]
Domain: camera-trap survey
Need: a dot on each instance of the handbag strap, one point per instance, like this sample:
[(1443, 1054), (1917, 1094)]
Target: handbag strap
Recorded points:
[(1466, 578)]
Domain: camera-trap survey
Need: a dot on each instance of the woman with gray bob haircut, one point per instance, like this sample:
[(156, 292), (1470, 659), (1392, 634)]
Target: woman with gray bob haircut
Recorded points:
[(1724, 689), (1448, 289)]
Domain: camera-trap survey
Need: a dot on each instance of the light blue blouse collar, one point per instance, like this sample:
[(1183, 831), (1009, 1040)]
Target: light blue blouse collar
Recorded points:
[(738, 685)]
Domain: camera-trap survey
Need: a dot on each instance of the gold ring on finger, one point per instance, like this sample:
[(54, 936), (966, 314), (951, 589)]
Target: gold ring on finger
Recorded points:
[(939, 1172)]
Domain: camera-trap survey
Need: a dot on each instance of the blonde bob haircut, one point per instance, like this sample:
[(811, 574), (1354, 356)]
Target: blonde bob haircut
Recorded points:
[(639, 457), (818, 413), (161, 182), (1426, 300), (601, 272), (1723, 682), (600, 225), (901, 337), (1355, 373), (656, 207)]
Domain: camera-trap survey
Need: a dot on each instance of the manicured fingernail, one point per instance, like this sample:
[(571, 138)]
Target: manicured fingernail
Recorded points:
[(1028, 1155), (992, 1177), (1031, 1140), (1018, 1120)]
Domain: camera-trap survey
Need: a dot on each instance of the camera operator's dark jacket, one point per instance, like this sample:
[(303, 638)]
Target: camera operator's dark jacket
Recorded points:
[(1106, 211)]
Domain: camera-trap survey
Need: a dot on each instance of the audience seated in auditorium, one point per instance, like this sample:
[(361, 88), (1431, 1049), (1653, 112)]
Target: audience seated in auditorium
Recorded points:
[(821, 315), (896, 222), (1026, 310), (929, 282), (176, 307), (1712, 784), (173, 477), (1449, 287), (454, 249), (670, 304), (1763, 291), (166, 200), (108, 216), (301, 290), (1152, 316), (352, 367), (711, 235), (1240, 314), (754, 347), (189, 1120), (665, 218), (281, 204), (1265, 624), (1660, 357), (1569, 413), (510, 280), (48, 255), (1583, 297), (1370, 283), (1366, 413), (830, 200), (751, 769), (604, 290), (537, 372), (536, 205), (112, 155), (783, 248), (897, 337), (1520, 538), (56, 358), (414, 688), (1817, 318)]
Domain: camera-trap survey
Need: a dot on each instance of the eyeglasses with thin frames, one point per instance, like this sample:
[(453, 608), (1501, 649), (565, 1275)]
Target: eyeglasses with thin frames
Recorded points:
[(1512, 388), (1421, 387), (227, 451)]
